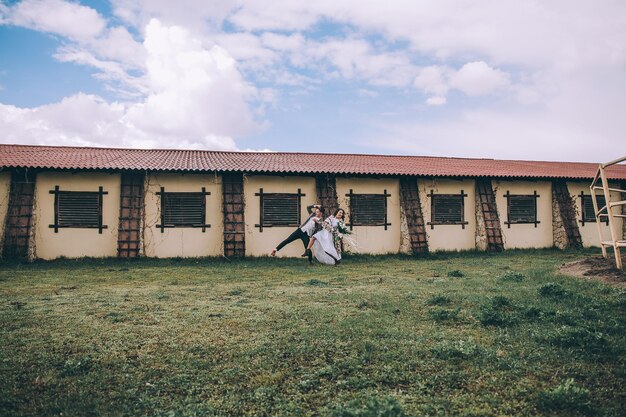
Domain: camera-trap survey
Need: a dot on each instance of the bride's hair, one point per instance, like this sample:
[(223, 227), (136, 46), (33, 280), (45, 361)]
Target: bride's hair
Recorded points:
[(338, 210)]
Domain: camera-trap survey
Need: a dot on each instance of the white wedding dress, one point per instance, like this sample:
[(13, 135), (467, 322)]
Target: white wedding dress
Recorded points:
[(324, 246)]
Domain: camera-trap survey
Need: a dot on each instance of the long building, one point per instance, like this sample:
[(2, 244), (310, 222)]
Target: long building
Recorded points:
[(101, 202)]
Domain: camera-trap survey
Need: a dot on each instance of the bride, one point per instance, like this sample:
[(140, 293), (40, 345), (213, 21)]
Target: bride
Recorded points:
[(326, 243)]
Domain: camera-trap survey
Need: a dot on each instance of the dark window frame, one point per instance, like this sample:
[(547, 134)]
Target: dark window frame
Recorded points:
[(583, 218), (263, 222), (512, 197), (60, 224), (385, 223), (433, 198), (202, 224)]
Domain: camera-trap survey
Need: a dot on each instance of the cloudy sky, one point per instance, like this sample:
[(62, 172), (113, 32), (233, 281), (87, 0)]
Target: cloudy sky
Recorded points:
[(531, 79)]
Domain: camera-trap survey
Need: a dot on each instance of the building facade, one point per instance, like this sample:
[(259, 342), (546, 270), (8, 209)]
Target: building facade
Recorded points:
[(96, 202)]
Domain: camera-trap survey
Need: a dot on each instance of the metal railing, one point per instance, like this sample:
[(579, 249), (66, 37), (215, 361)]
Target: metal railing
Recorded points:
[(617, 240)]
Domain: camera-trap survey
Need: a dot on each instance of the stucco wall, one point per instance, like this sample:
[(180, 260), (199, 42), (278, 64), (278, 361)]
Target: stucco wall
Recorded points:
[(526, 235), (449, 237), (261, 243), (71, 242), (374, 239), (589, 232), (183, 241), (5, 188)]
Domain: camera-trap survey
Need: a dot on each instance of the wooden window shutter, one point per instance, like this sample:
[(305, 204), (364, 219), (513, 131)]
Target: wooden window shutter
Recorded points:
[(522, 209), (447, 209), (183, 209), (78, 209), (368, 209), (279, 209)]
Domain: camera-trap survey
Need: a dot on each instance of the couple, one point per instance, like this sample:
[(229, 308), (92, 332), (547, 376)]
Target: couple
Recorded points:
[(323, 236)]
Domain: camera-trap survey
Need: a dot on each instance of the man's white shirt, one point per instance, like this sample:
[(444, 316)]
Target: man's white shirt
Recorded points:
[(309, 226)]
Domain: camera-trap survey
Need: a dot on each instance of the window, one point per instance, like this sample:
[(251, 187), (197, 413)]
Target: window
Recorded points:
[(183, 209), (521, 209), (279, 209), (588, 212), (447, 209), (368, 209), (77, 209)]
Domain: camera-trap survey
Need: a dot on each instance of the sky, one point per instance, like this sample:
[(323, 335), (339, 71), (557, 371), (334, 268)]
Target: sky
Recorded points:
[(506, 79)]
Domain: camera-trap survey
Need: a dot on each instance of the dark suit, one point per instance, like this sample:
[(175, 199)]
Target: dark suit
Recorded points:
[(299, 234)]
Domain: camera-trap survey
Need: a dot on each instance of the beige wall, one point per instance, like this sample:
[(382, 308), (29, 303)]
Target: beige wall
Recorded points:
[(261, 243), (526, 235), (5, 188), (70, 242), (374, 239), (183, 241), (449, 237), (589, 232)]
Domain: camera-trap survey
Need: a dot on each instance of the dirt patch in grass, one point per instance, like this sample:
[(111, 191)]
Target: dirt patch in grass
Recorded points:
[(597, 268)]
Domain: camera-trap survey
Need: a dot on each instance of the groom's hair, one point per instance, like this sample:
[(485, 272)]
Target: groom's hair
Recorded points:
[(322, 209)]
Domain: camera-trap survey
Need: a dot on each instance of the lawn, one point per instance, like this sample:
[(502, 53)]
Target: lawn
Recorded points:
[(457, 334)]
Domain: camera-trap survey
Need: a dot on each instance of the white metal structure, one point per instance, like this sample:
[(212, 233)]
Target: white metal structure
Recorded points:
[(608, 211)]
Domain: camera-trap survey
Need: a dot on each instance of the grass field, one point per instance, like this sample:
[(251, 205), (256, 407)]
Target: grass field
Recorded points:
[(459, 334)]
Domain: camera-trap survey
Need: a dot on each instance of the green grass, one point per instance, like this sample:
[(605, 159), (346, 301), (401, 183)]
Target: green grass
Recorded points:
[(377, 336)]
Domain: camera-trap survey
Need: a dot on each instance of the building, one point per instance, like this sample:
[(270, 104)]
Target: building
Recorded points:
[(99, 202)]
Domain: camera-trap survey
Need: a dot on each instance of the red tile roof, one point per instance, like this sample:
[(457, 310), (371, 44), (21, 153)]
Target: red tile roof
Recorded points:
[(58, 157)]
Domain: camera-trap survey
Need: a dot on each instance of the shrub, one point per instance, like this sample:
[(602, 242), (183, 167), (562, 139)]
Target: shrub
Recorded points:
[(369, 407), (533, 313), (455, 273), (552, 290), (443, 314), (235, 292), (314, 282), (459, 349), (566, 399), (577, 337), (438, 300), (365, 303), (77, 366), (497, 311), (511, 276)]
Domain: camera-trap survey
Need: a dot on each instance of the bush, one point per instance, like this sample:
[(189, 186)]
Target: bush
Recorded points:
[(443, 314), (438, 300), (365, 303), (77, 366), (459, 349), (314, 282), (533, 313), (576, 337), (235, 292), (511, 276), (456, 274), (369, 407), (497, 311), (567, 399), (552, 290)]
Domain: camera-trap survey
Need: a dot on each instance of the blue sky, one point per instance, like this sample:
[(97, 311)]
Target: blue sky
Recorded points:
[(494, 79)]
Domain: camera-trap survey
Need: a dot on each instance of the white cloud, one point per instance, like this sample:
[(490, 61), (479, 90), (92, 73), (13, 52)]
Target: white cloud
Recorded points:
[(196, 98), (478, 78), (58, 17), (555, 68), (432, 80), (194, 90), (436, 101)]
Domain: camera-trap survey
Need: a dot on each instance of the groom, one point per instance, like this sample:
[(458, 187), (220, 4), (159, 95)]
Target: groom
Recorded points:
[(305, 231)]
